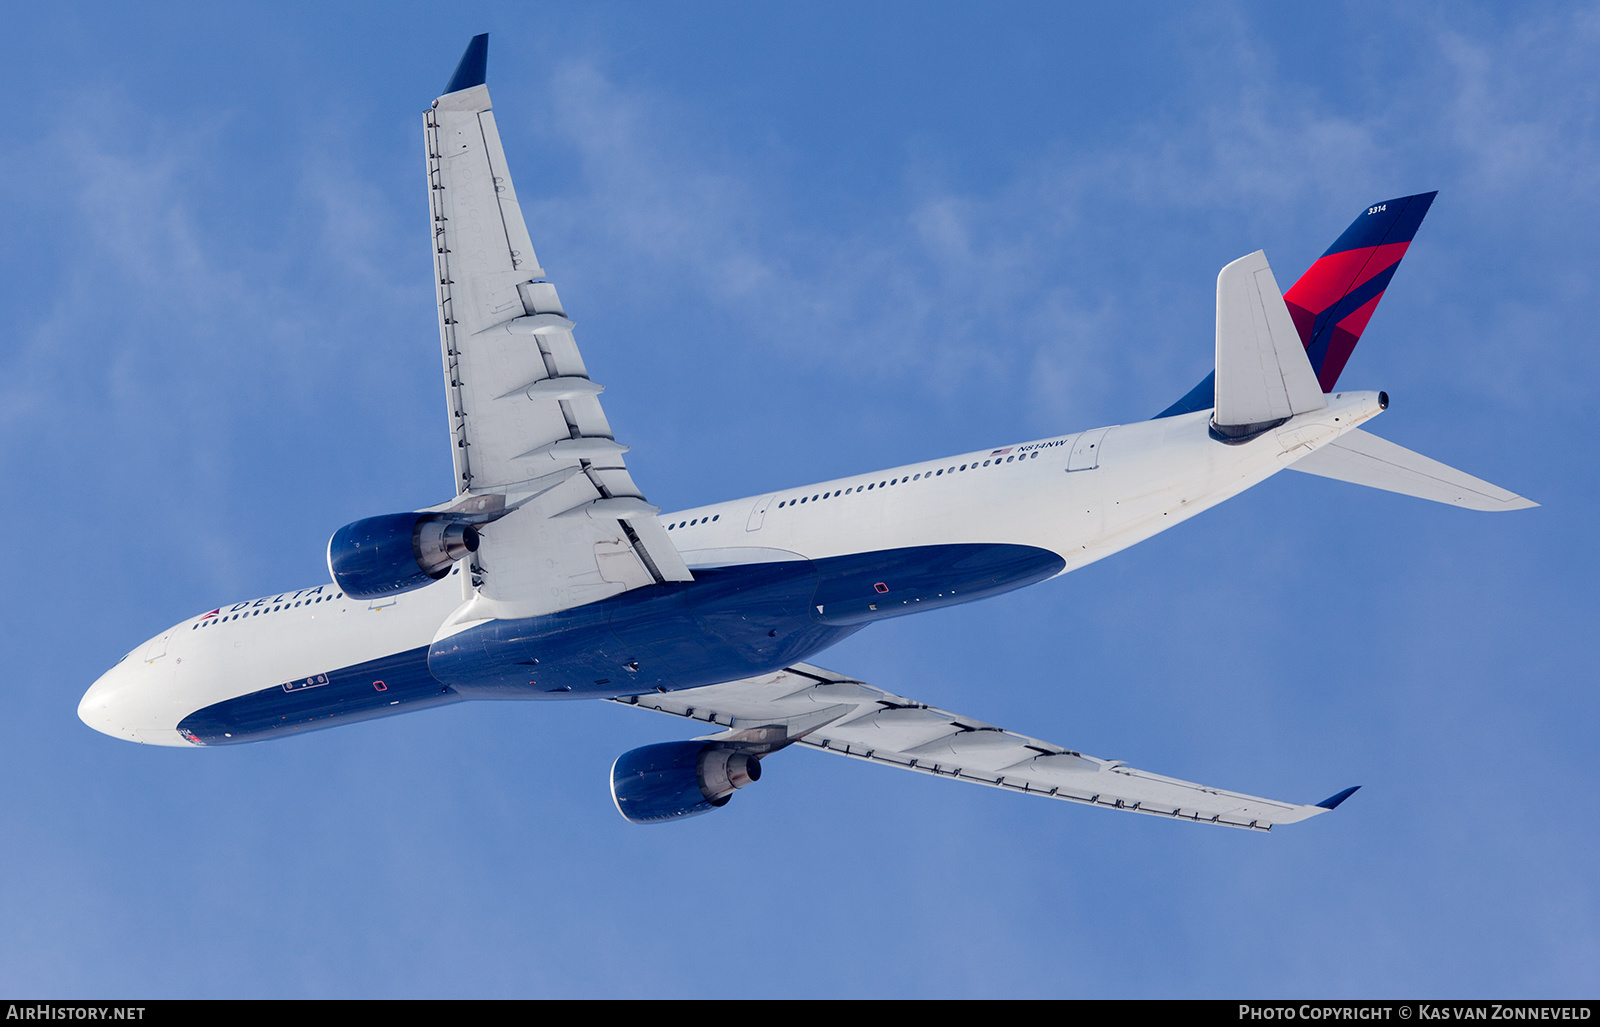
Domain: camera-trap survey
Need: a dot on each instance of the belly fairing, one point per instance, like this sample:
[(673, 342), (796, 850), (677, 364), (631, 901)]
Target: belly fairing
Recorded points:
[(730, 622)]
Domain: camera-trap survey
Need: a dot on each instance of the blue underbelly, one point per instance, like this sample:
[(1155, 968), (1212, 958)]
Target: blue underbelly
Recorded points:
[(378, 688), (729, 623)]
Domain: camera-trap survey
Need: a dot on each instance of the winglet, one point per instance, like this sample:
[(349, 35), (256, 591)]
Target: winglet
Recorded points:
[(474, 67), (1332, 801)]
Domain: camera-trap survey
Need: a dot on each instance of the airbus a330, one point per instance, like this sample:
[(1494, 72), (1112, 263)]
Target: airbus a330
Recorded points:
[(547, 575)]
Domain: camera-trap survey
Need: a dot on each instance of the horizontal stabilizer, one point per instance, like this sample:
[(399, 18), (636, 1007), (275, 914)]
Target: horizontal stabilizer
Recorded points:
[(1364, 459), (1263, 375)]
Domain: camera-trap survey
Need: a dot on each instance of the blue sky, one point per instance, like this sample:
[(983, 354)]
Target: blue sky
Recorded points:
[(802, 243)]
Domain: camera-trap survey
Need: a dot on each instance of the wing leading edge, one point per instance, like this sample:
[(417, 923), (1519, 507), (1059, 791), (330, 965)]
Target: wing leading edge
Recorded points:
[(525, 418), (823, 710)]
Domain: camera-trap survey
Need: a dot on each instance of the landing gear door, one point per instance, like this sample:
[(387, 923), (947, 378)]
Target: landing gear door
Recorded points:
[(759, 513)]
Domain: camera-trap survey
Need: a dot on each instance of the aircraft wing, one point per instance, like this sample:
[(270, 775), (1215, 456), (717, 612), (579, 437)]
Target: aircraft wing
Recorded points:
[(818, 708), (526, 429)]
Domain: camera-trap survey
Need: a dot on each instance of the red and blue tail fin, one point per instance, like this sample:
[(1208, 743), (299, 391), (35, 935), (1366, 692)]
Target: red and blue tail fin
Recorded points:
[(1333, 301)]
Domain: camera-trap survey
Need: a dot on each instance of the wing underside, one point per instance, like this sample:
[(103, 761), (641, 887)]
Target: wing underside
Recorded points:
[(525, 417), (823, 710)]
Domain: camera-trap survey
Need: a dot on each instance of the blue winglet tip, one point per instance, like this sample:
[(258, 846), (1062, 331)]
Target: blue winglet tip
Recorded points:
[(1332, 801), (474, 67)]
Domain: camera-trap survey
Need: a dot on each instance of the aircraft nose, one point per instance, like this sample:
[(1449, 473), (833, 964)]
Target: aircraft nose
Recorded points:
[(127, 703), (98, 707)]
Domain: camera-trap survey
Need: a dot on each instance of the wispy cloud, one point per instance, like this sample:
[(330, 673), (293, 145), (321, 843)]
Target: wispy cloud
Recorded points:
[(164, 312), (1031, 280), (948, 286)]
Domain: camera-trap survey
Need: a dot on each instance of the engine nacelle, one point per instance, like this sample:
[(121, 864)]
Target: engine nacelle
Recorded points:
[(394, 553), (673, 780)]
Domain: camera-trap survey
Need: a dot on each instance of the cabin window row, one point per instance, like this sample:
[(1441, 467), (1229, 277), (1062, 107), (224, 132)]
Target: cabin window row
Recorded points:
[(974, 465), (697, 520)]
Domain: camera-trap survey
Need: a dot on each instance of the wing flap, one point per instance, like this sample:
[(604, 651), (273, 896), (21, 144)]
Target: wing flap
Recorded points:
[(653, 542), (823, 710)]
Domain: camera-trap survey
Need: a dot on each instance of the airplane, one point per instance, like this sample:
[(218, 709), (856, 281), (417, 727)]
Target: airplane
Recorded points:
[(547, 575)]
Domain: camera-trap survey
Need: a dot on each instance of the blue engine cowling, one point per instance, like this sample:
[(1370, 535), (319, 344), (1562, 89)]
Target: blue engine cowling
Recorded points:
[(394, 553), (657, 783)]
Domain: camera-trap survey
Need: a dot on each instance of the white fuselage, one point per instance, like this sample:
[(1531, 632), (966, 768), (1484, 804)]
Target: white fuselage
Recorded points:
[(1054, 494)]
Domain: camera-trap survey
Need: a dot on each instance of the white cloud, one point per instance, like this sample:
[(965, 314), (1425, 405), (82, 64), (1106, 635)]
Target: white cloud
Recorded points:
[(948, 287), (1035, 280)]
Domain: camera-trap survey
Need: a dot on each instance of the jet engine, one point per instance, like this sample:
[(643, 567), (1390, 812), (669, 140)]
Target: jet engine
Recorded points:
[(672, 780), (396, 553)]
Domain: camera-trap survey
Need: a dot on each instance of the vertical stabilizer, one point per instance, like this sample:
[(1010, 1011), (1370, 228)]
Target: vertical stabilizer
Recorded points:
[(1263, 375), (1333, 301)]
